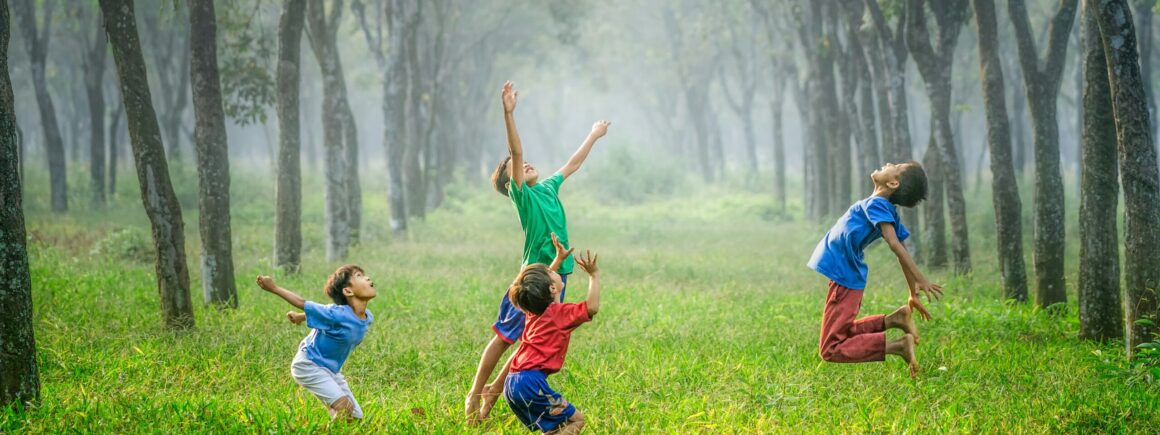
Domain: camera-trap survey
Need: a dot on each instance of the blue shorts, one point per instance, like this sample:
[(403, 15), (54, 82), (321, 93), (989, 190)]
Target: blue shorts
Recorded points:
[(532, 401), (509, 325)]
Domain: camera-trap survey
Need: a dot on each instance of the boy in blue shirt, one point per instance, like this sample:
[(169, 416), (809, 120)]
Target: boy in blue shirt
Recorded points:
[(839, 256), (335, 331)]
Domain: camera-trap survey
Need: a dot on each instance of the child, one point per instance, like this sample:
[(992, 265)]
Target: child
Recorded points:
[(541, 214), (335, 331), (838, 256), (538, 291)]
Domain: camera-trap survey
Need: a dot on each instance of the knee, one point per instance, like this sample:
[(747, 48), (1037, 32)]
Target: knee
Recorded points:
[(827, 354)]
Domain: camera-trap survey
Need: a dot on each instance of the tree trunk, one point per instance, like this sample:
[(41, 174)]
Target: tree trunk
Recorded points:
[(350, 142), (778, 147), (1042, 80), (412, 156), (1101, 317), (114, 146), (395, 115), (19, 380), (1019, 126), (152, 170), (337, 196), (934, 229), (1143, 12), (94, 71), (1005, 191), (936, 64), (288, 216), (36, 41), (213, 159), (1138, 170)]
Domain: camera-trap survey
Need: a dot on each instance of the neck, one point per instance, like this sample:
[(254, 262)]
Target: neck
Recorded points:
[(359, 306), (882, 191)]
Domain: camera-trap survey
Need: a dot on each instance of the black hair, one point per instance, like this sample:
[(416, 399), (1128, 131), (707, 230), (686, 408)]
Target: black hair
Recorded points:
[(501, 178), (532, 290), (911, 186), (339, 280)]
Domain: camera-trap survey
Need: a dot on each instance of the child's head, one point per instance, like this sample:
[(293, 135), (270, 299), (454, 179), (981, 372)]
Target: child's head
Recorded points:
[(349, 281), (535, 288), (906, 182), (501, 178)]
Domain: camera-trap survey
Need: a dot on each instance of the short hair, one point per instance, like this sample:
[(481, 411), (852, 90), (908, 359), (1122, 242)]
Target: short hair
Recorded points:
[(911, 186), (532, 289), (501, 178), (339, 280)]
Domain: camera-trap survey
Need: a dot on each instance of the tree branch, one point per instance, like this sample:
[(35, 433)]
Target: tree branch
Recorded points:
[(918, 38), (1028, 53), (1057, 45)]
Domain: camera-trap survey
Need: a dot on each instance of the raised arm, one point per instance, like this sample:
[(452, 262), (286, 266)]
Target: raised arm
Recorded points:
[(561, 254), (267, 284), (587, 261), (598, 131), (515, 149)]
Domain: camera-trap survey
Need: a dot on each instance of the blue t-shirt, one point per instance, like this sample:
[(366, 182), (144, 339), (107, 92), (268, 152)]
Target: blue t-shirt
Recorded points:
[(336, 331), (838, 256)]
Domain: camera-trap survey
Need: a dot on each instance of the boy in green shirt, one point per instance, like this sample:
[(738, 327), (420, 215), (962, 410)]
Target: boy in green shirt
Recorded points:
[(543, 220)]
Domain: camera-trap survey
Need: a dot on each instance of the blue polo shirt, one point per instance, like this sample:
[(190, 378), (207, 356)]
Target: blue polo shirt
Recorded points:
[(839, 255), (336, 332)]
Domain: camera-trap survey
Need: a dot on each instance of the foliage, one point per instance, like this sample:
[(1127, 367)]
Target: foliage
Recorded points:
[(131, 245), (245, 61)]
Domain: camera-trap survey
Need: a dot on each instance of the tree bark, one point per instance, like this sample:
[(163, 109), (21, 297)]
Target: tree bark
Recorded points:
[(213, 159), (1042, 80), (1138, 169), (1142, 9), (19, 378), (114, 147), (934, 229), (36, 39), (936, 64), (778, 147), (152, 170), (288, 217), (1101, 316), (94, 72), (322, 33), (1005, 191)]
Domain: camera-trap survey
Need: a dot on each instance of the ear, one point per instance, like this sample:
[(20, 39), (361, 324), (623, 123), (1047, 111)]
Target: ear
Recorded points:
[(893, 184), (347, 291)]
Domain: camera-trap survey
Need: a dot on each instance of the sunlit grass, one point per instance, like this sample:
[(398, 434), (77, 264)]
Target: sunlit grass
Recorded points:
[(709, 323)]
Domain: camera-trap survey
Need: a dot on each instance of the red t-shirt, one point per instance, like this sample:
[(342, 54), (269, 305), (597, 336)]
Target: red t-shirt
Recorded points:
[(545, 338)]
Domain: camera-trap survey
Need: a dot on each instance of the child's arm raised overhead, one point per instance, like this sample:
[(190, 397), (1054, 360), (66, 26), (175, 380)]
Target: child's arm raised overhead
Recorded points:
[(915, 280), (598, 131), (515, 149), (587, 261), (561, 254), (267, 284)]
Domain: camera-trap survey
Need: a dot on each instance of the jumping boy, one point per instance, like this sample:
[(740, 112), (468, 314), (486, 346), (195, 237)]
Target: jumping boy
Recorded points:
[(541, 214), (538, 291), (838, 256), (335, 331)]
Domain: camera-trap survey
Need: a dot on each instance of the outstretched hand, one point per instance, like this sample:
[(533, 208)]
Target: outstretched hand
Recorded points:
[(295, 317), (587, 261), (917, 306), (509, 97), (932, 291), (561, 253), (599, 129), (266, 283)]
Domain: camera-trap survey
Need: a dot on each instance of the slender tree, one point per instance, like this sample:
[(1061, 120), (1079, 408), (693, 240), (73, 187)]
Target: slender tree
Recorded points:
[(1138, 170), (95, 53), (338, 203), (19, 380), (1042, 81), (936, 64), (152, 170), (213, 160), (1142, 9), (288, 217), (1101, 315), (1005, 192), (36, 37)]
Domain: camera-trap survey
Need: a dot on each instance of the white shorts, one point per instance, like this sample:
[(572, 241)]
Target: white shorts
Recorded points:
[(328, 386)]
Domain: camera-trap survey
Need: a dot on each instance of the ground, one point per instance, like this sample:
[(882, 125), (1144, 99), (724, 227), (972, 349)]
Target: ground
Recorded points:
[(709, 323)]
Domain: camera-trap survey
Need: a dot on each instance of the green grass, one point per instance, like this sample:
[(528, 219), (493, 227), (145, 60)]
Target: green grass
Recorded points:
[(709, 324)]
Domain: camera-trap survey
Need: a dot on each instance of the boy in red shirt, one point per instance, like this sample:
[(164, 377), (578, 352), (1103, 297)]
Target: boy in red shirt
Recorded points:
[(548, 328)]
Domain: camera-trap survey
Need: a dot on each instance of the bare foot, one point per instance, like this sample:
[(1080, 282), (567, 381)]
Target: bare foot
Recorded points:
[(907, 354), (471, 409), (903, 318), (490, 397)]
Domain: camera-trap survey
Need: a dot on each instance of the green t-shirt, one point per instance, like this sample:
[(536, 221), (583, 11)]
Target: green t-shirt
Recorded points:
[(541, 214)]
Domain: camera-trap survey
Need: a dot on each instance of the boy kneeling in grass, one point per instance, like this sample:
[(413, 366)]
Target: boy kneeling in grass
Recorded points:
[(548, 329), (335, 331), (838, 256)]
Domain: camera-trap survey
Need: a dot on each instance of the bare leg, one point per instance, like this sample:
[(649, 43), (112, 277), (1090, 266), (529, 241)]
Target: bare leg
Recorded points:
[(487, 361), (902, 319), (571, 427), (904, 347), (492, 391)]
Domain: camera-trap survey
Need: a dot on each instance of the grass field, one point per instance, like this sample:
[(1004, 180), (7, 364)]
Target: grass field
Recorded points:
[(709, 324)]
